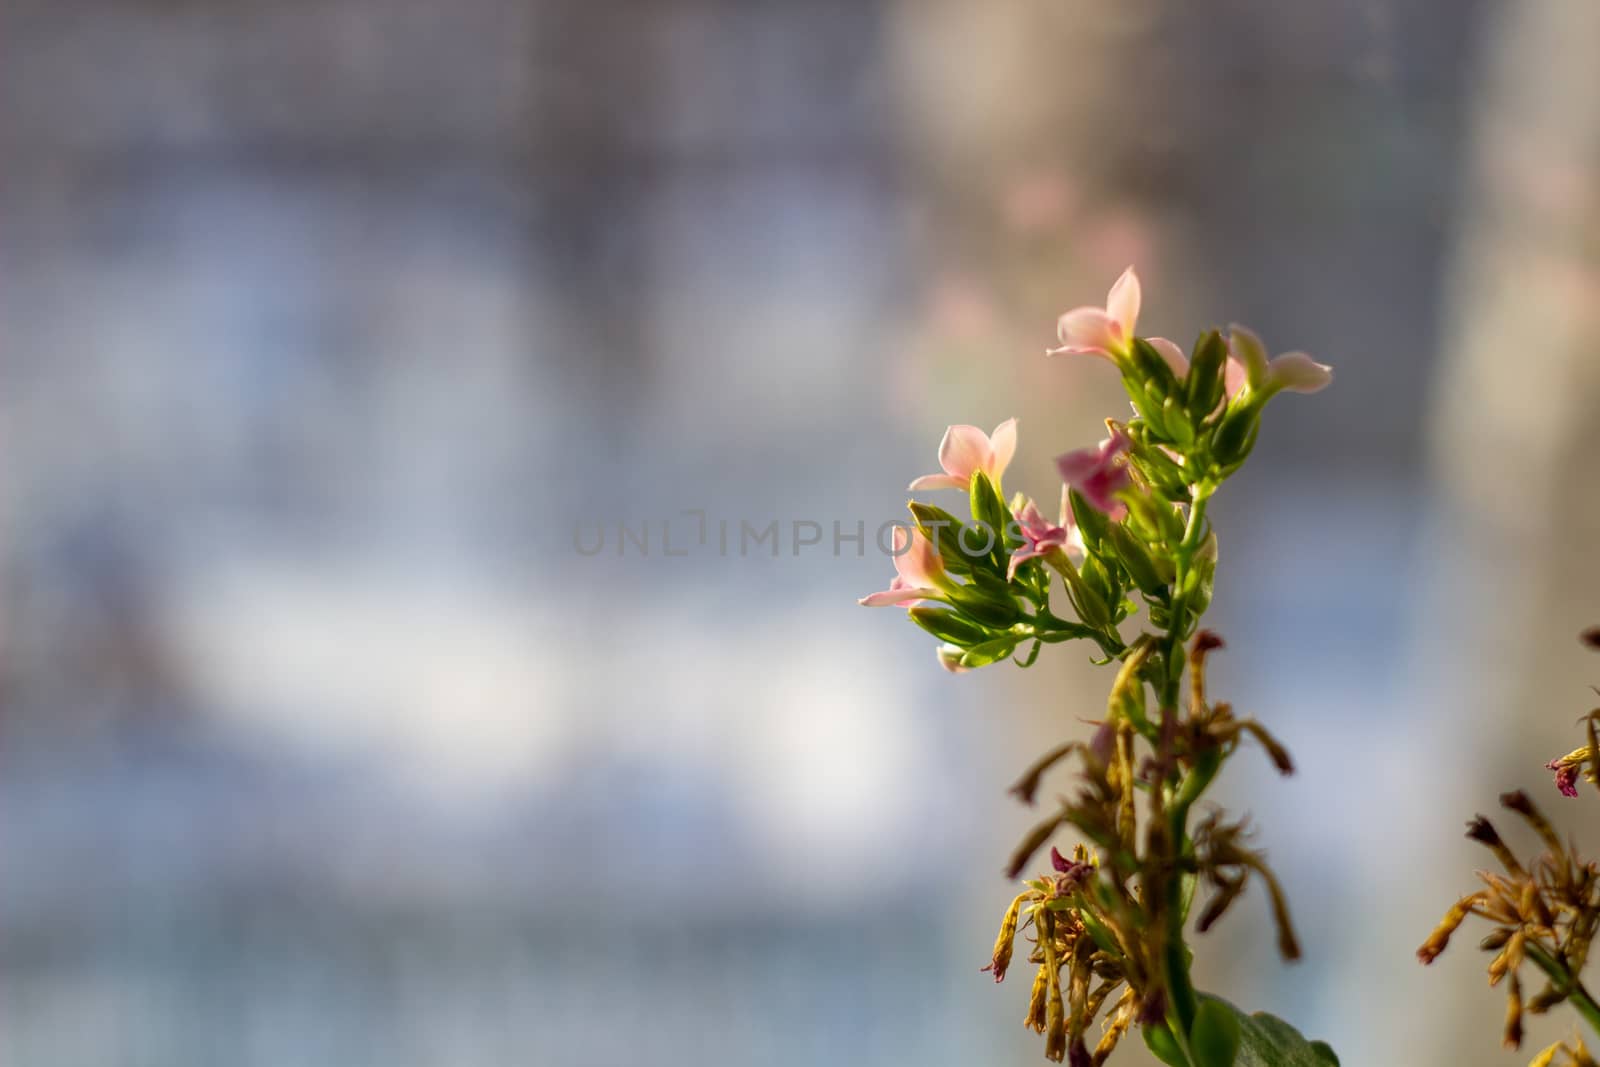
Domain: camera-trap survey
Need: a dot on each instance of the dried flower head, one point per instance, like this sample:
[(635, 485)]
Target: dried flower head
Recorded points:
[(1544, 912)]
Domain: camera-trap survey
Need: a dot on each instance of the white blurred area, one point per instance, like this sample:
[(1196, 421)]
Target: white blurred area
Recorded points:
[(326, 324)]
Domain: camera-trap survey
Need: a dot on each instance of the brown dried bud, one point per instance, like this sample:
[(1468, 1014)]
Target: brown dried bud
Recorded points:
[(1439, 940), (1591, 637), (1513, 1035), (1006, 940), (1035, 1018), (1055, 1026), (1031, 844), (1496, 940)]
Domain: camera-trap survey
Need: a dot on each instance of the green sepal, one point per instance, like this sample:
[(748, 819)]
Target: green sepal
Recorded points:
[(949, 626), (1207, 375), (1214, 1038), (1159, 1040)]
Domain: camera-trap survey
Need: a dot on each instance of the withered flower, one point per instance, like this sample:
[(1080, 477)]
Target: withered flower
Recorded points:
[(1544, 912)]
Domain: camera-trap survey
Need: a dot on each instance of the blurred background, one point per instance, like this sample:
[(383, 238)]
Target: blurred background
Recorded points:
[(343, 340)]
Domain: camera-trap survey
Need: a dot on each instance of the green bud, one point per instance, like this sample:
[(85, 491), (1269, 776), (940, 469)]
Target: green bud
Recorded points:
[(1199, 583), (1159, 468), (1136, 559), (1157, 377), (1214, 1037), (1236, 435), (1101, 578), (1091, 607), (1092, 522), (989, 511), (986, 604), (944, 530), (1207, 375), (1156, 516), (1176, 419), (989, 652), (949, 626)]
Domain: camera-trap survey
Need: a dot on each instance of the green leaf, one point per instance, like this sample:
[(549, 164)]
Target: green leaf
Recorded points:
[(1214, 1038), (1266, 1040)]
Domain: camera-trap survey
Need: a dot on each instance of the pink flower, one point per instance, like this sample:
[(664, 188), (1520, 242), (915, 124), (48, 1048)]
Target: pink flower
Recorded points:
[(966, 450), (1097, 472), (1248, 365), (918, 572), (950, 659), (1042, 536), (1106, 331)]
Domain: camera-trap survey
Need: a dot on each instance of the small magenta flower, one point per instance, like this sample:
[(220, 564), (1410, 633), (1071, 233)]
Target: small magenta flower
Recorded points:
[(1098, 473), (1248, 365), (1042, 537), (1106, 331), (919, 572), (965, 450)]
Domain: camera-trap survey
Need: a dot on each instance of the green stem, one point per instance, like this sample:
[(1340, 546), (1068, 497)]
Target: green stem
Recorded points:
[(1564, 979), (1180, 987)]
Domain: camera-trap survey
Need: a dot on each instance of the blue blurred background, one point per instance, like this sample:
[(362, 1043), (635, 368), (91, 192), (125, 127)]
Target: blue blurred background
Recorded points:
[(336, 332)]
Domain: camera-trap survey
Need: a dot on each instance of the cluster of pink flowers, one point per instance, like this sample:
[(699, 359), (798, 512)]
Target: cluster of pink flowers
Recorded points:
[(1100, 474)]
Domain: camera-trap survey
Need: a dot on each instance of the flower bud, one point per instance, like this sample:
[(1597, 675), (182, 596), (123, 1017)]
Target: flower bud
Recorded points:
[(1205, 383), (949, 626), (1136, 558), (1236, 435), (944, 530)]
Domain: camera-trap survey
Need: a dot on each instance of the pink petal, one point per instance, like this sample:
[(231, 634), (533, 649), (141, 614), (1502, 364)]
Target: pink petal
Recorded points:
[(1087, 331), (1122, 303), (1234, 377), (1299, 373), (950, 659), (1247, 348), (964, 449), (891, 597), (1172, 354), (917, 560), (1002, 446), (939, 481), (1021, 556), (1078, 465)]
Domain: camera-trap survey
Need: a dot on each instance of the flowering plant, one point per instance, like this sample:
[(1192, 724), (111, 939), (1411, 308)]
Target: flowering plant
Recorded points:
[(1106, 925)]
